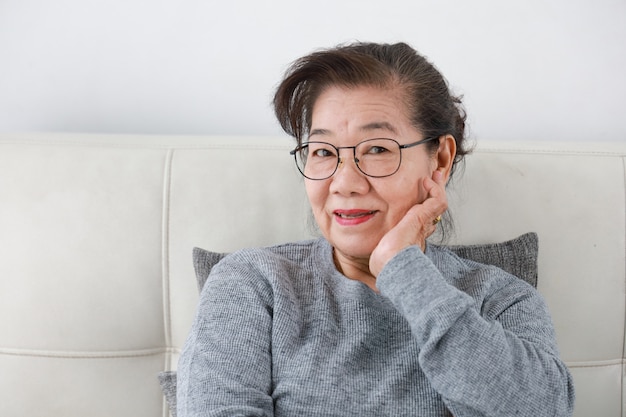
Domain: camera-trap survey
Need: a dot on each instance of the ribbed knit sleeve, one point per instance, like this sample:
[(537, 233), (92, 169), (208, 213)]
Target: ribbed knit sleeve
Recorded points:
[(486, 340), (225, 367)]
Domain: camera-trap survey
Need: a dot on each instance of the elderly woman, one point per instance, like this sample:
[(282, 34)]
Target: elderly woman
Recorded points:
[(370, 320)]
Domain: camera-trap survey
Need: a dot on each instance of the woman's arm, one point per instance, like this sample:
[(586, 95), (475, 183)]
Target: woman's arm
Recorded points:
[(225, 366), (496, 359)]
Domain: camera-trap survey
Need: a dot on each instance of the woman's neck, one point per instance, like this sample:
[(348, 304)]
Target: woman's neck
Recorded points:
[(356, 269)]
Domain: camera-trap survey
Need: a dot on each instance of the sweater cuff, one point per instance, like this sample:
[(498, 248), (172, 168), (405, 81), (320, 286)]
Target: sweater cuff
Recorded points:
[(408, 269), (419, 292)]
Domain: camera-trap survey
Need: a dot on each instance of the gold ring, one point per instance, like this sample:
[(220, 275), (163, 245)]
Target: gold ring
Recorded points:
[(437, 220)]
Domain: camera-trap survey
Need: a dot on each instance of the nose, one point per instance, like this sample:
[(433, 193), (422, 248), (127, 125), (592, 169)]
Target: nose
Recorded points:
[(349, 156), (355, 159), (352, 156), (348, 179)]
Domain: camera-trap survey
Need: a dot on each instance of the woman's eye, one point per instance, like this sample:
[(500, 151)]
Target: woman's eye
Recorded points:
[(374, 150), (322, 153)]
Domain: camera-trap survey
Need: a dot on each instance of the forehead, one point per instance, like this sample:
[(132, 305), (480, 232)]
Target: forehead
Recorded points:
[(340, 109)]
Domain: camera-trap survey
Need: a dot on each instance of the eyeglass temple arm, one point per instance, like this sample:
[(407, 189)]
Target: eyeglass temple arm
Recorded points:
[(419, 142)]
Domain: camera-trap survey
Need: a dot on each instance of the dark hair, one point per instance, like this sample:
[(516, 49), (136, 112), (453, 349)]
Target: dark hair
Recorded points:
[(434, 110)]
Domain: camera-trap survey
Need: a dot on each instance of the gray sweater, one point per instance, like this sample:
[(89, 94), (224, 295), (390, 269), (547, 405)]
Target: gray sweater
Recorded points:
[(280, 332)]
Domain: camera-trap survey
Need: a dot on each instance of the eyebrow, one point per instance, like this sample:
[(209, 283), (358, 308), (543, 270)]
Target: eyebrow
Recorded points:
[(365, 128), (323, 132)]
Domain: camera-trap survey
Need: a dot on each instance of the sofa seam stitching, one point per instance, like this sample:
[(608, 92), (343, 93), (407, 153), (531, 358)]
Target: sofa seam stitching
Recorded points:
[(166, 147), (88, 355), (623, 411), (167, 314), (601, 365)]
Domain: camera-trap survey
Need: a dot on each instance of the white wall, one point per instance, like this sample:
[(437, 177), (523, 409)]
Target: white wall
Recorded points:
[(540, 69)]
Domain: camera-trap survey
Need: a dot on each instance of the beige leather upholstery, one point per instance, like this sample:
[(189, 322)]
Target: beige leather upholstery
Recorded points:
[(97, 288)]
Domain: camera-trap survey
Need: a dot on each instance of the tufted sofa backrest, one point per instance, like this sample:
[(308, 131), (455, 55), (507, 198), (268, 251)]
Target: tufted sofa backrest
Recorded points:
[(97, 288)]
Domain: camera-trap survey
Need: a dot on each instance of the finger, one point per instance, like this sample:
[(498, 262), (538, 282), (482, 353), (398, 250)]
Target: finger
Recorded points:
[(436, 202), (439, 178)]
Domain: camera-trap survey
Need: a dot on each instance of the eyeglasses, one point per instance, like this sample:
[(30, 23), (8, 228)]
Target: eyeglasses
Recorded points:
[(375, 158)]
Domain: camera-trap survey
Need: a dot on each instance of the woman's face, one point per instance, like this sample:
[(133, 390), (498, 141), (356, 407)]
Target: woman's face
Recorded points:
[(354, 211)]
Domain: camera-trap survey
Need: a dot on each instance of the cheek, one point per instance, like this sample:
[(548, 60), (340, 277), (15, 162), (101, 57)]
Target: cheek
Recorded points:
[(316, 192), (402, 197), (410, 188), (410, 191)]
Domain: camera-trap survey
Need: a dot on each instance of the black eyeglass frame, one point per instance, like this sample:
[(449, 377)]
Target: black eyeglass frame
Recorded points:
[(295, 151)]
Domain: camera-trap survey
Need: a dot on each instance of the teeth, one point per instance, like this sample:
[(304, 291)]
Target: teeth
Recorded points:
[(352, 216)]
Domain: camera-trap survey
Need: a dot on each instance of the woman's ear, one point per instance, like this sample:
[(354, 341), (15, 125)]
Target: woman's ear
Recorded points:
[(445, 155)]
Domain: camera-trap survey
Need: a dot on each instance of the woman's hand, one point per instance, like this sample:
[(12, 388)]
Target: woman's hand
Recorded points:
[(416, 225)]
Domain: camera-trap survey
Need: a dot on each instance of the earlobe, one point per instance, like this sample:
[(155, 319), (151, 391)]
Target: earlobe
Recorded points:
[(445, 155)]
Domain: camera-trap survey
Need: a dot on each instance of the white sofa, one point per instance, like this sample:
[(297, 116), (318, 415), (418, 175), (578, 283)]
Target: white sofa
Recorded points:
[(97, 287)]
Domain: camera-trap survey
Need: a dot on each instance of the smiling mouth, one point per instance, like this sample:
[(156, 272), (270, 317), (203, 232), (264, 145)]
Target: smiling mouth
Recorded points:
[(353, 214)]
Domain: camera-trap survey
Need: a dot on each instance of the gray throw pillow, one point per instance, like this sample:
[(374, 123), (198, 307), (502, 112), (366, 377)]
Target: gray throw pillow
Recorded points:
[(517, 256), (167, 379), (203, 262)]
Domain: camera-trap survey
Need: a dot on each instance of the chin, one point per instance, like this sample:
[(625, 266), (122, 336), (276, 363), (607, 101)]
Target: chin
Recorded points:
[(354, 247)]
